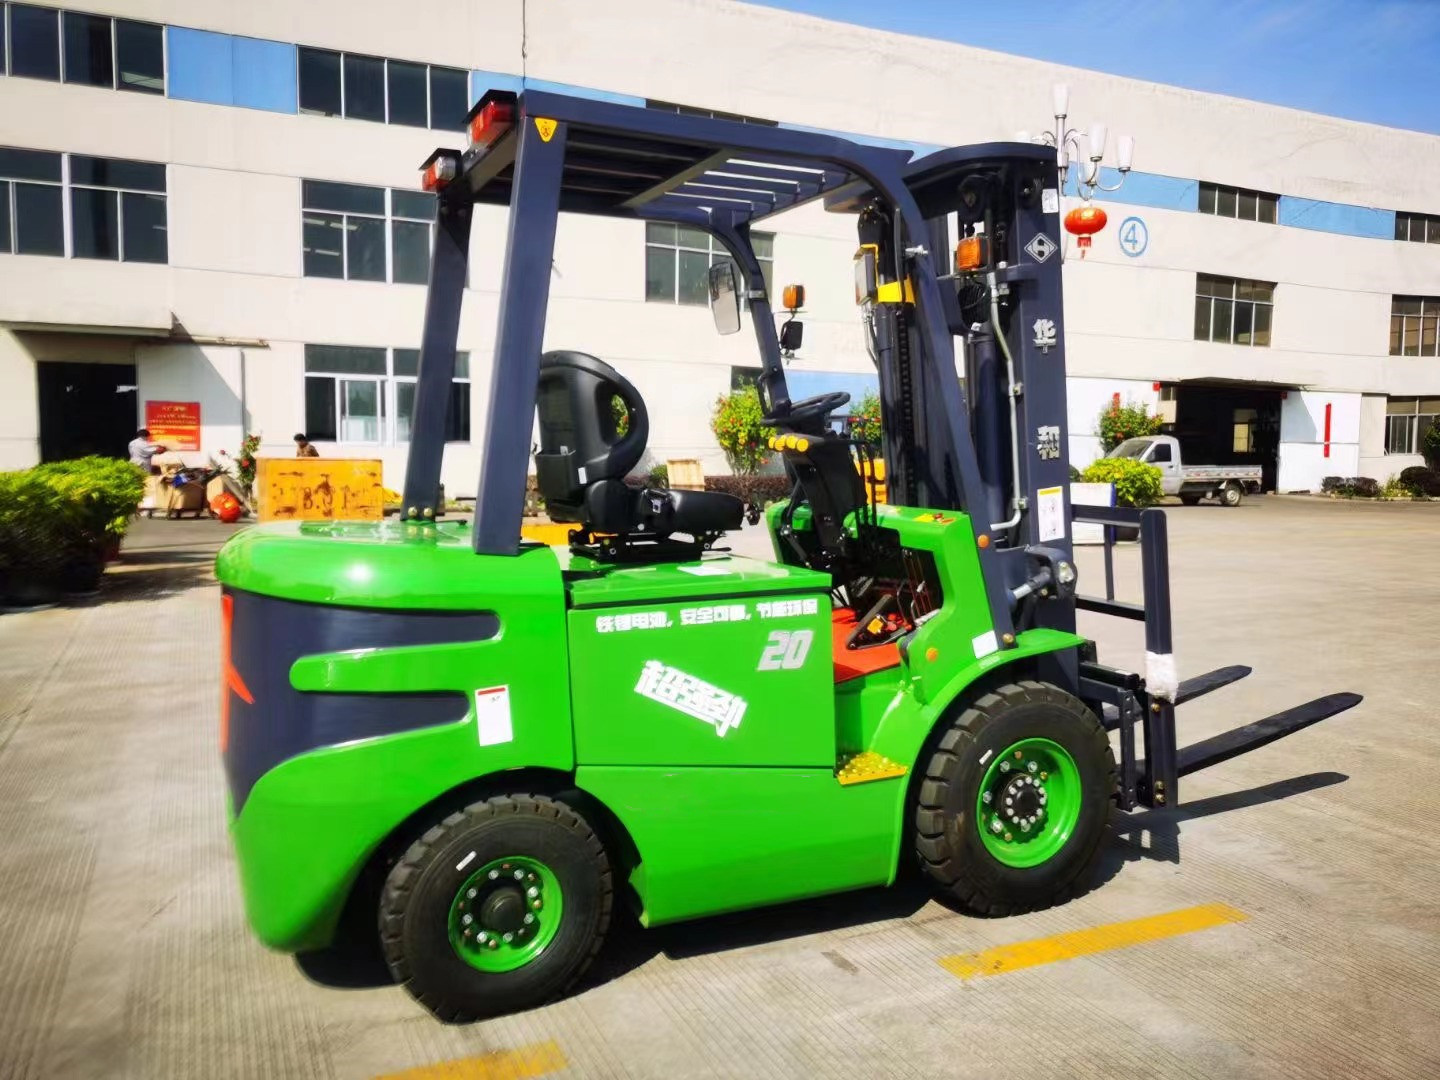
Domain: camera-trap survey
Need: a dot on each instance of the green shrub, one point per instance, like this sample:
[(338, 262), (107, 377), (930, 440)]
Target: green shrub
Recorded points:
[(1394, 489), (40, 529), (658, 476), (1419, 480), (1136, 484), (751, 490), (1351, 487), (1074, 475), (1118, 422), (737, 428), (865, 420), (1430, 445), (108, 491)]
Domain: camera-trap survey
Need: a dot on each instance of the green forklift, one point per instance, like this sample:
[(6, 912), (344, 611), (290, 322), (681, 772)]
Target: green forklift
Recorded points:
[(467, 744)]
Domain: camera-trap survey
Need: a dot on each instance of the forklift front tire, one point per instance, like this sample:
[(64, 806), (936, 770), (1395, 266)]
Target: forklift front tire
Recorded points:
[(498, 908), (1015, 800)]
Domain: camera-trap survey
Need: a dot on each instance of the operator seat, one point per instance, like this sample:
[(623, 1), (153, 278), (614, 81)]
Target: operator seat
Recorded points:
[(583, 460)]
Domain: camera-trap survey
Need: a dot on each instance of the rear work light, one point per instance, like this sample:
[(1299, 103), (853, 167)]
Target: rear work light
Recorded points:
[(439, 172), (492, 121)]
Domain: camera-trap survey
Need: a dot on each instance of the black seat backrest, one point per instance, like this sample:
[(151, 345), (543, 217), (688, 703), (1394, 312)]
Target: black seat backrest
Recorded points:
[(825, 468), (579, 440)]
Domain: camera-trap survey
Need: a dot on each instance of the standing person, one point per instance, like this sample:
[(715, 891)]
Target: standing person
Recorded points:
[(142, 450), (304, 448)]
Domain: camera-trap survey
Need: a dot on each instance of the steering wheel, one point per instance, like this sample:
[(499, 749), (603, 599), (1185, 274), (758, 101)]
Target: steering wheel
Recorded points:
[(812, 408)]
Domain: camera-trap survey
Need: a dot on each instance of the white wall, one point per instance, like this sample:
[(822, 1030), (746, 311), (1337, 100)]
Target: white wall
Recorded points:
[(1303, 451), (209, 375), (235, 229)]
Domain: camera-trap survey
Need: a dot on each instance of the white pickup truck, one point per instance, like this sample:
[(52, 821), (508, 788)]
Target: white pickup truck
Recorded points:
[(1228, 483)]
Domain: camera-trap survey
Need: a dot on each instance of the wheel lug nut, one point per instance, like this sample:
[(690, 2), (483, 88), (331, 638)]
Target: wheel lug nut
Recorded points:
[(1004, 766), (519, 875), (1031, 766), (1008, 837), (1009, 801), (1043, 775), (987, 798), (467, 918), (532, 892), (470, 895), (1025, 826), (493, 874), (529, 919), (537, 905), (995, 826), (509, 936)]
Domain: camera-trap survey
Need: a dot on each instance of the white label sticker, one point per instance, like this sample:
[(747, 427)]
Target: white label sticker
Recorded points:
[(705, 570), (634, 620), (984, 644), (1051, 513), (1050, 201), (784, 609), (704, 616), (691, 696), (492, 715)]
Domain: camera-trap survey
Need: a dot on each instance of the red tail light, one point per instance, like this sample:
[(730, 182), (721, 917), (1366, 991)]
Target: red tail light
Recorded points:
[(440, 173), (230, 680), (491, 122)]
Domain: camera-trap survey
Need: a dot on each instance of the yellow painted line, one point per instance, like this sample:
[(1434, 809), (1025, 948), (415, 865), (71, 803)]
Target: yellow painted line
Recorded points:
[(1120, 935), (535, 1060)]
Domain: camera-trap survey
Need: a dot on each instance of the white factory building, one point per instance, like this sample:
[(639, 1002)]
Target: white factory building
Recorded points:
[(216, 205)]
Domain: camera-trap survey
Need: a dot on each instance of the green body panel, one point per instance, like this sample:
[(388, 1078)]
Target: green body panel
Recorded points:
[(715, 840), (309, 824), (730, 668), (721, 819)]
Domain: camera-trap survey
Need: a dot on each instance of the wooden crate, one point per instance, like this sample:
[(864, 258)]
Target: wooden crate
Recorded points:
[(319, 489), (686, 473)]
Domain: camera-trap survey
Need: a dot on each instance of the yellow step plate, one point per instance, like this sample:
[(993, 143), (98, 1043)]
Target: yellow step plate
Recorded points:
[(866, 766), (547, 532)]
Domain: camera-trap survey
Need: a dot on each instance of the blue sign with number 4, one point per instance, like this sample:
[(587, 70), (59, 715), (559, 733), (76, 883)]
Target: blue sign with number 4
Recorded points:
[(1134, 237)]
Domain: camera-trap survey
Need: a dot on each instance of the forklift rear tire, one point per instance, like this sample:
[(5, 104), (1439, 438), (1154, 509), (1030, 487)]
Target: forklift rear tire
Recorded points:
[(1230, 495), (498, 908), (1015, 800)]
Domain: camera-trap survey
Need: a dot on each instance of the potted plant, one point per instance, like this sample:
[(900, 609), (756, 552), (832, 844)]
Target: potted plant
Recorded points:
[(1136, 485)]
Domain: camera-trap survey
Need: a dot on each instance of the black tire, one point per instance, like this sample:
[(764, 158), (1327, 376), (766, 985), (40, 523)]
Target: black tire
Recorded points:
[(1230, 495), (1191, 500), (415, 906), (948, 841)]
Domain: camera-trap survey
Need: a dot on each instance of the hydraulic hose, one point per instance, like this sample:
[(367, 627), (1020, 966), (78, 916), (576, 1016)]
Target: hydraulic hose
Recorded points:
[(1015, 495)]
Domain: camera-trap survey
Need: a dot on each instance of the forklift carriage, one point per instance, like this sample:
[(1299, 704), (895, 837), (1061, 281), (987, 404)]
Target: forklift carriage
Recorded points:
[(472, 741)]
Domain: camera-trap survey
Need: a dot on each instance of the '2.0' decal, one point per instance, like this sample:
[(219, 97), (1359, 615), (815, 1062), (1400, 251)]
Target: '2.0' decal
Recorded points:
[(786, 650)]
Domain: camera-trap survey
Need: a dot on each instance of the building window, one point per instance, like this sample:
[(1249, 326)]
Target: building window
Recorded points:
[(1417, 228), (1234, 311), (690, 110), (678, 261), (87, 50), (360, 395), (360, 233), (1406, 422), (117, 208), (1412, 325), (386, 91), (1238, 203)]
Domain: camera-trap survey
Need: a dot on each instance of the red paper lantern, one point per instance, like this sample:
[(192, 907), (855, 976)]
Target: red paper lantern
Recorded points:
[(1084, 222)]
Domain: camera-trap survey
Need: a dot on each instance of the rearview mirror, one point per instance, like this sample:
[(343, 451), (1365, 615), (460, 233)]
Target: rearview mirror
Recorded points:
[(725, 296), (791, 335)]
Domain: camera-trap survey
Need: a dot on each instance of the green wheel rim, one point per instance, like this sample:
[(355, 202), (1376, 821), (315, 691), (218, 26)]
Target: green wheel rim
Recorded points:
[(506, 914), (1028, 802)]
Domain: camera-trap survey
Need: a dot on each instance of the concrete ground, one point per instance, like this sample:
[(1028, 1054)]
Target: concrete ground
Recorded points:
[(126, 952)]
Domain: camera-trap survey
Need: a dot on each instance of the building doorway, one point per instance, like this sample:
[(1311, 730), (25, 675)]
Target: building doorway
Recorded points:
[(1230, 424), (86, 409)]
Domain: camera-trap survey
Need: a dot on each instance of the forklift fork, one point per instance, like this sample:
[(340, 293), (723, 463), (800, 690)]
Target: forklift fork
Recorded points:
[(1125, 699)]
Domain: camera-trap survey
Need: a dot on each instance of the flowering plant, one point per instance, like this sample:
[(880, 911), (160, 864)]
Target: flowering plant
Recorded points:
[(736, 424), (245, 462)]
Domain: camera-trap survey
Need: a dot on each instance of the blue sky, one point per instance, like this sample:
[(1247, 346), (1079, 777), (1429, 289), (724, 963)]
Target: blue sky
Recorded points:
[(1373, 60)]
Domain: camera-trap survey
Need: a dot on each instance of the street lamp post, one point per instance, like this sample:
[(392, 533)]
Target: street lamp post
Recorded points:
[(1066, 141)]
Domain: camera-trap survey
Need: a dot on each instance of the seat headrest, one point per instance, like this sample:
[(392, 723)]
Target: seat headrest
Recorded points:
[(580, 428)]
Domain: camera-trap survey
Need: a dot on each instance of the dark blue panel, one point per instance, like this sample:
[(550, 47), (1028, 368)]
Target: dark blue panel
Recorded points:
[(200, 66), (269, 635), (264, 75), (1337, 218)]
